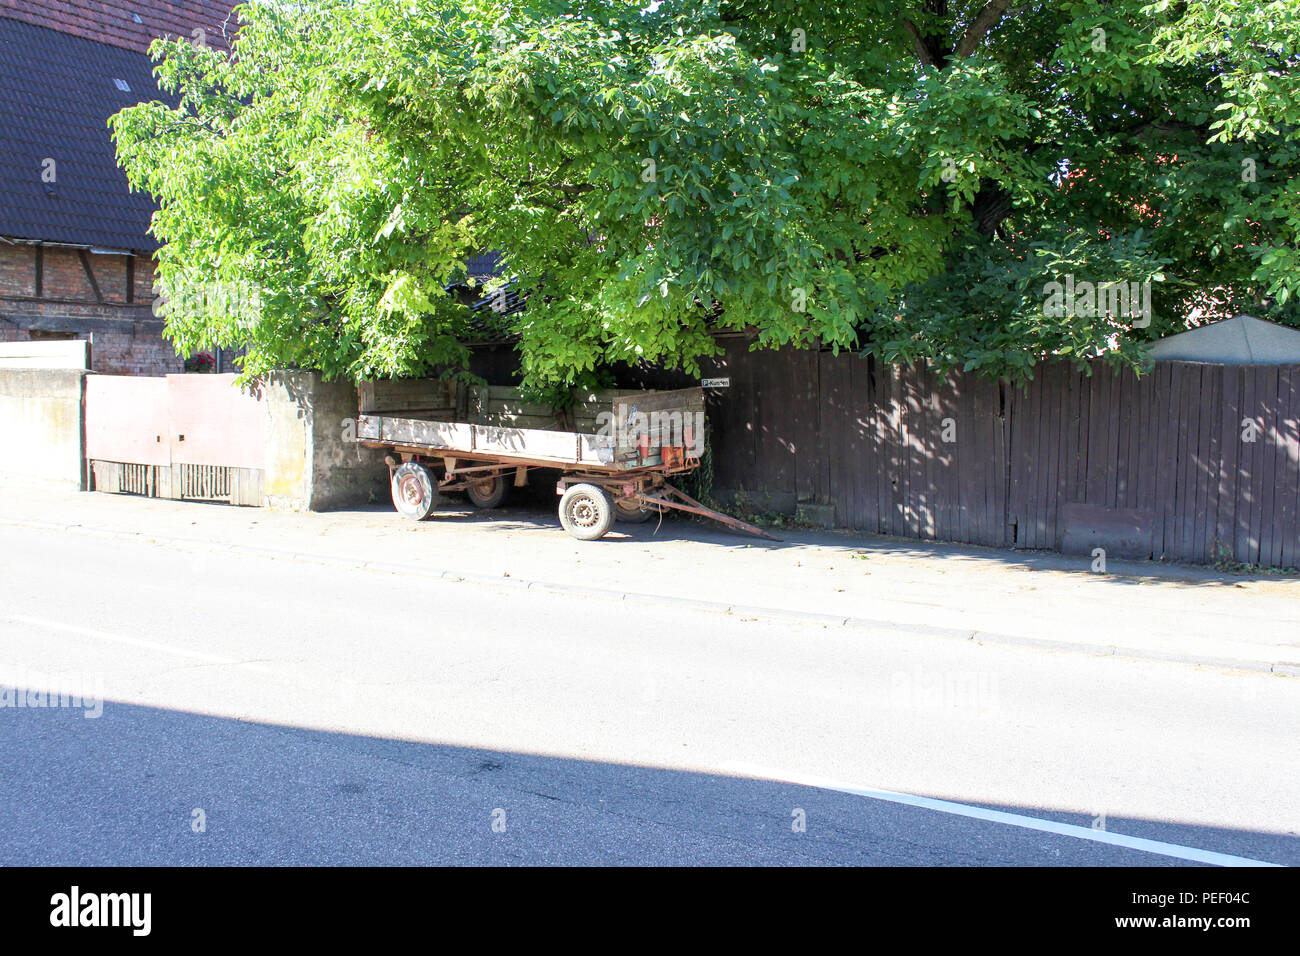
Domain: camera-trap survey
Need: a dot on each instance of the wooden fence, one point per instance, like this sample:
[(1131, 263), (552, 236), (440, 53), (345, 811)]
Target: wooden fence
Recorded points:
[(1191, 462)]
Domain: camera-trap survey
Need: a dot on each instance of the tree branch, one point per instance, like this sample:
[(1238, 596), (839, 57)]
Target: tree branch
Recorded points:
[(984, 21), (923, 51)]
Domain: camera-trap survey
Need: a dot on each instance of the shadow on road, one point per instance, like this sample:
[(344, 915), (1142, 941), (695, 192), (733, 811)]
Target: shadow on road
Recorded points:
[(145, 786)]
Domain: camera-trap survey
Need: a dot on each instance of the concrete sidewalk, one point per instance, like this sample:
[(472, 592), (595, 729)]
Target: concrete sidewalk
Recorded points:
[(1138, 609)]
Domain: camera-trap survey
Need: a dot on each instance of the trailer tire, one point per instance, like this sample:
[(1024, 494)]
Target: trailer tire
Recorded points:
[(486, 493), (414, 494), (587, 511), (631, 512)]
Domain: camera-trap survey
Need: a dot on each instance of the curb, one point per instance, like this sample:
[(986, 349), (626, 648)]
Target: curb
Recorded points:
[(1280, 668)]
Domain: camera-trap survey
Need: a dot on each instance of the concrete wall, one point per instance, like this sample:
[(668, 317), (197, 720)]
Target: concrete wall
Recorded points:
[(311, 465), (310, 461), (41, 425), (67, 354)]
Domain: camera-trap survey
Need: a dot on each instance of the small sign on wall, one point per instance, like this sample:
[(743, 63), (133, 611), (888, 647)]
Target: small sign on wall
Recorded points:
[(715, 383)]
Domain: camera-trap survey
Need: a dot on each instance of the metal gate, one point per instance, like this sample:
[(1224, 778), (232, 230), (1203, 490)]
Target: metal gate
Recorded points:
[(179, 436)]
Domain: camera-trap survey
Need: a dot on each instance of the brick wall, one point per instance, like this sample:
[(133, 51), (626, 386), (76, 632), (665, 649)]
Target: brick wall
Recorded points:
[(17, 270), (65, 278), (125, 337), (144, 279), (133, 353)]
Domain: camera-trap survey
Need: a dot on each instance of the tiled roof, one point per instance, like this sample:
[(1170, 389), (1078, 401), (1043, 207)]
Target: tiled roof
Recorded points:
[(114, 21), (56, 94), (484, 266)]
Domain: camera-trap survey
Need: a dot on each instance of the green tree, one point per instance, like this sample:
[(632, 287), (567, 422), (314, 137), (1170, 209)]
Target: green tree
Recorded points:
[(907, 177)]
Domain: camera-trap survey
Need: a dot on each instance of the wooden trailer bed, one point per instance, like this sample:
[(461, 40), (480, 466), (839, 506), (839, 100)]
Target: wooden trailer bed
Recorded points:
[(614, 449)]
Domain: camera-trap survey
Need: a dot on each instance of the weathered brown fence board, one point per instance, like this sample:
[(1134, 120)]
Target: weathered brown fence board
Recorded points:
[(1274, 480), (1289, 484), (1184, 499), (948, 400), (902, 455), (1281, 464), (860, 468), (1272, 530), (1225, 523), (1294, 468), (1039, 436), (807, 384), (1108, 402), (976, 476), (830, 440), (1155, 465), (1054, 419), (1253, 490), (733, 451), (1207, 463), (1166, 441), (913, 425), (1261, 529), (1094, 440), (1248, 492)]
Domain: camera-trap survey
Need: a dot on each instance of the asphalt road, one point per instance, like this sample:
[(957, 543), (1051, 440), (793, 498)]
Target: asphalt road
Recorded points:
[(311, 714)]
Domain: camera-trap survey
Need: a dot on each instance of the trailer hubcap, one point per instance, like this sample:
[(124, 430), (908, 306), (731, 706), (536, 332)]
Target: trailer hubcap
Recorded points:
[(583, 512), (412, 490)]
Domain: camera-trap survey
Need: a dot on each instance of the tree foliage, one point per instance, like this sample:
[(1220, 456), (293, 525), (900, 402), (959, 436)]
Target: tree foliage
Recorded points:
[(900, 176)]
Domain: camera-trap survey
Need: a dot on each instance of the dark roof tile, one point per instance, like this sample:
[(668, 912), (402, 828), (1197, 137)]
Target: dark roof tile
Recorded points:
[(57, 91)]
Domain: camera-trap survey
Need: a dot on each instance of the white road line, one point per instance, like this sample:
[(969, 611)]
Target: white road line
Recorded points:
[(1193, 854), (135, 642)]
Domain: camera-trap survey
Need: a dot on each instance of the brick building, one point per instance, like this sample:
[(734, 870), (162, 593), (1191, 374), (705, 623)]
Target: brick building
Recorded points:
[(76, 259)]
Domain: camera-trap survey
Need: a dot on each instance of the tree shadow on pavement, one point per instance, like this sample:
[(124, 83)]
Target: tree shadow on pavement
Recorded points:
[(150, 786)]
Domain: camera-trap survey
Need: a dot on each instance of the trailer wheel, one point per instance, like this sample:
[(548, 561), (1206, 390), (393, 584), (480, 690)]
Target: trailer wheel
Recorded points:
[(486, 492), (414, 495), (630, 512), (587, 511)]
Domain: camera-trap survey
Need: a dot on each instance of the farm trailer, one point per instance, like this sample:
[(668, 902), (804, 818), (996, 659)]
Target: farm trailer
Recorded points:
[(614, 449)]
